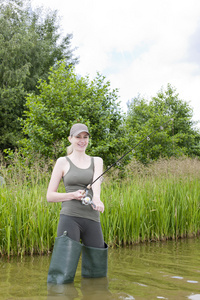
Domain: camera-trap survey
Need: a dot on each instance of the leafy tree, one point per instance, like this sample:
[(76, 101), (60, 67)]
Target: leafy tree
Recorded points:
[(64, 100), (178, 137), (29, 45)]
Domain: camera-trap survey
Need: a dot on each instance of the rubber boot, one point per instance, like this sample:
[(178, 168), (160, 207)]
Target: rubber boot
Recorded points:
[(64, 260), (94, 262)]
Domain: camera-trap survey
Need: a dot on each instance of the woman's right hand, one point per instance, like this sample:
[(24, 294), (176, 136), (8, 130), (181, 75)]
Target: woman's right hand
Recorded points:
[(78, 195)]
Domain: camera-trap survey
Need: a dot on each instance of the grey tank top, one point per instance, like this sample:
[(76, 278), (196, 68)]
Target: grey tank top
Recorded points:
[(78, 179)]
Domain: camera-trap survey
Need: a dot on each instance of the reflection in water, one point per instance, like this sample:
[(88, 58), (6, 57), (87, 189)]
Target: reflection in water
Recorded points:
[(90, 288), (169, 270), (94, 288), (63, 291), (194, 297)]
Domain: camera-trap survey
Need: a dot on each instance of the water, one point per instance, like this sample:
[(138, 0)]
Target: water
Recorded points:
[(169, 270)]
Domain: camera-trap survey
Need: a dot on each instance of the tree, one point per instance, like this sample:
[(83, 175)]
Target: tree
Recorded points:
[(29, 45), (178, 137), (64, 100)]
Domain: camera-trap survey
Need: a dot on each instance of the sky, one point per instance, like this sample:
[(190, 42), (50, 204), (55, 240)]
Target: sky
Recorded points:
[(140, 46)]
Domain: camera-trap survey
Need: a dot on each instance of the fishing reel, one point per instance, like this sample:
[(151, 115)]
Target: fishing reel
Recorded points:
[(86, 200)]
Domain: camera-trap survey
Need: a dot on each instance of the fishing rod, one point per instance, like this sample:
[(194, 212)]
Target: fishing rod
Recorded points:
[(86, 199)]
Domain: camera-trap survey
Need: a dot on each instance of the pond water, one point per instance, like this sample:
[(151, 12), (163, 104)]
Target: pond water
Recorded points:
[(168, 270)]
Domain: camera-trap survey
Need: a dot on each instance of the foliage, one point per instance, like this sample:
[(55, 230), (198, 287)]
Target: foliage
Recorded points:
[(66, 99), (30, 43), (179, 136)]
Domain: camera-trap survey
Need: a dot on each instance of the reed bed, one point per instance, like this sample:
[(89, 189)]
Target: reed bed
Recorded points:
[(158, 202), (28, 223), (153, 203)]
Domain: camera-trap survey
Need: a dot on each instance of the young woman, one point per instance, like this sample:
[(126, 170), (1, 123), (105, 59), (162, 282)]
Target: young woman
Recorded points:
[(81, 222)]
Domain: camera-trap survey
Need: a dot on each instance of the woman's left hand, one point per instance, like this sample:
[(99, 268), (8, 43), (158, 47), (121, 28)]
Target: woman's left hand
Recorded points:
[(99, 206)]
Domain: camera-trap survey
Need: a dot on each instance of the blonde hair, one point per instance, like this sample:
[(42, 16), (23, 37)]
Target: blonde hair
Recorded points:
[(69, 150)]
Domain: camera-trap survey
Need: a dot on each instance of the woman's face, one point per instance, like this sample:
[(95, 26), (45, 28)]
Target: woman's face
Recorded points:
[(79, 142)]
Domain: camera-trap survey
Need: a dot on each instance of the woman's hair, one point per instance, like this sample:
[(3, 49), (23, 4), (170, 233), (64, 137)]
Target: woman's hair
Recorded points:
[(69, 150)]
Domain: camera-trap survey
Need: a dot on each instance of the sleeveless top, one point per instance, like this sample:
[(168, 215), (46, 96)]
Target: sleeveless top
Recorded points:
[(78, 179)]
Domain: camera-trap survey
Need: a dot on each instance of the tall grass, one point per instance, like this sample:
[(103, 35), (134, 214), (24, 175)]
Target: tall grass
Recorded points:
[(28, 223), (158, 202), (155, 203)]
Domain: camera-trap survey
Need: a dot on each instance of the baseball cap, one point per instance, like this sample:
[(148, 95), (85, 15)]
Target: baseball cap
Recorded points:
[(78, 128)]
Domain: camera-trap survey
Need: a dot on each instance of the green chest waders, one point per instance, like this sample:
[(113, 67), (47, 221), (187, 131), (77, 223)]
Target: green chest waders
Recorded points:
[(64, 260), (94, 262)]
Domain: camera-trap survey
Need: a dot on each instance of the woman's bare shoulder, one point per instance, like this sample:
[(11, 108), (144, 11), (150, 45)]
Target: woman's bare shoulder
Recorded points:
[(61, 162), (61, 159), (98, 160), (62, 165)]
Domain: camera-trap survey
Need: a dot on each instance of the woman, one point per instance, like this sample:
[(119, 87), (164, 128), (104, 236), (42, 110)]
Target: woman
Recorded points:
[(81, 222)]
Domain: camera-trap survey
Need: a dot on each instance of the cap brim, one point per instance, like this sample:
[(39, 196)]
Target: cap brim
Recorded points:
[(79, 131)]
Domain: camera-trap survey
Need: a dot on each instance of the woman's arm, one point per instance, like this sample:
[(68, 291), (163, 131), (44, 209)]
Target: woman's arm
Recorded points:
[(96, 187), (57, 174)]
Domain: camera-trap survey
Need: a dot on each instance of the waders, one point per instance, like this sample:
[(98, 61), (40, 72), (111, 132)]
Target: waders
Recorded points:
[(65, 257), (64, 260), (94, 262)]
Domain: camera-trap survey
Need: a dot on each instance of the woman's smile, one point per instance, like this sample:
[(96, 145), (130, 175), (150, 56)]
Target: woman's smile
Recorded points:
[(80, 141)]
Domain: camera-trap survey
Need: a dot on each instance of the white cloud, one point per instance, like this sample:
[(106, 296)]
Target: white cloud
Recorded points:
[(140, 45)]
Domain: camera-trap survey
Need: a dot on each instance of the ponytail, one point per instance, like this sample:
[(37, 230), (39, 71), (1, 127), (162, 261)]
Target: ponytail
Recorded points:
[(69, 150)]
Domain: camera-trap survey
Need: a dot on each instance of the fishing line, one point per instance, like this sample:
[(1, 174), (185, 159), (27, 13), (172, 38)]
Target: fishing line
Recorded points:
[(86, 200)]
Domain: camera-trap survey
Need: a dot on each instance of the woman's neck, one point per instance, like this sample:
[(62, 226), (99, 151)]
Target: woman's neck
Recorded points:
[(78, 156), (80, 159)]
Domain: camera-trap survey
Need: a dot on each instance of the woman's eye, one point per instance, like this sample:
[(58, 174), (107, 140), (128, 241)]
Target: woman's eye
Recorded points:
[(79, 137)]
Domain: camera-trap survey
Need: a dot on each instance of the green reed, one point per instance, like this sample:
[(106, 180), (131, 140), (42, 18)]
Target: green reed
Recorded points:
[(158, 202), (28, 223), (155, 204)]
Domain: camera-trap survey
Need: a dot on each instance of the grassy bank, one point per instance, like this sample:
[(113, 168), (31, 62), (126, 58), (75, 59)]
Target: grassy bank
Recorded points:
[(155, 203)]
